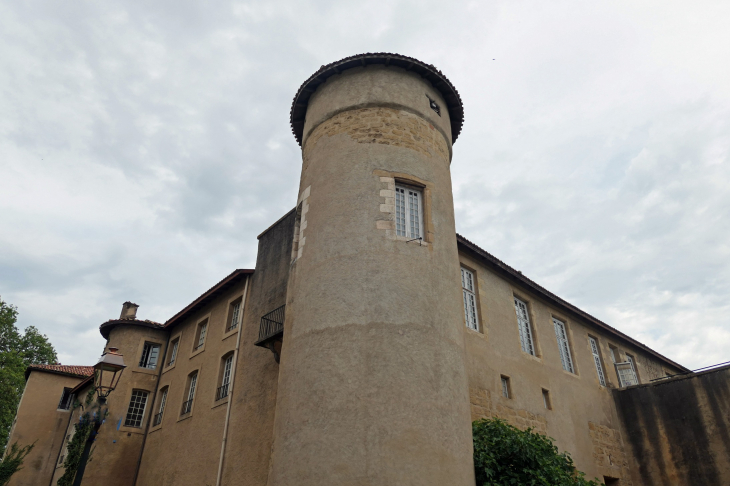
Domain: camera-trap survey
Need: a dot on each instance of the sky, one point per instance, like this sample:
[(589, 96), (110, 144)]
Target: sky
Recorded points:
[(145, 145)]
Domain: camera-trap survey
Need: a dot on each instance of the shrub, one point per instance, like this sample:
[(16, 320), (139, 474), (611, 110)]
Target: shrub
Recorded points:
[(507, 456), (12, 462)]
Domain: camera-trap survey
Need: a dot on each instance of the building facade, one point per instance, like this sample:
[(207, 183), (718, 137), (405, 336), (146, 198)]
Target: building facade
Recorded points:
[(370, 335)]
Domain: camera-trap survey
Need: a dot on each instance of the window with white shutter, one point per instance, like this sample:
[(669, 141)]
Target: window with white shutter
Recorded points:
[(630, 359), (408, 212), (523, 324), (597, 360), (470, 300), (626, 375), (563, 346)]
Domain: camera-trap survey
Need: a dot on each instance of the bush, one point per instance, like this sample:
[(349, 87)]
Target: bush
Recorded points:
[(507, 456)]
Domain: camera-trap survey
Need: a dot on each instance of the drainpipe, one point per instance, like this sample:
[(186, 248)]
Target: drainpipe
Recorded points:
[(150, 415), (233, 380)]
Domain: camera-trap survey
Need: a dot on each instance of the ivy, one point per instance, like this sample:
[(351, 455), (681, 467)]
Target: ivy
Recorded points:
[(507, 456), (12, 462), (87, 426)]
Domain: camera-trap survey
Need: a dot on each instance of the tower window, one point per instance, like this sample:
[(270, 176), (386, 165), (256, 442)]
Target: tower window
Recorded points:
[(408, 212), (563, 346), (149, 356), (470, 299), (523, 324), (135, 412)]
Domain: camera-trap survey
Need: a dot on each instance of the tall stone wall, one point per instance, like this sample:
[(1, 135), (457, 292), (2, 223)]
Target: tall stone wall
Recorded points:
[(678, 429)]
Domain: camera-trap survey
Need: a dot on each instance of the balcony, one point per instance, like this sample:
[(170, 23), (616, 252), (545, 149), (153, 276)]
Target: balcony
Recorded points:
[(157, 420), (271, 331), (221, 392)]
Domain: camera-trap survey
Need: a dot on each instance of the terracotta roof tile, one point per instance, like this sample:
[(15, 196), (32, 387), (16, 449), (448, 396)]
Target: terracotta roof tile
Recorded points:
[(81, 371)]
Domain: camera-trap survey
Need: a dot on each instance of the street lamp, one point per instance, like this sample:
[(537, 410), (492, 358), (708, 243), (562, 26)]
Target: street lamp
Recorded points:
[(107, 373)]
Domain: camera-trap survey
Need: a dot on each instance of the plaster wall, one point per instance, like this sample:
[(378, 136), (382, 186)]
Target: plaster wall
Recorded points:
[(39, 420), (582, 418), (678, 429), (372, 384), (251, 425), (184, 449)]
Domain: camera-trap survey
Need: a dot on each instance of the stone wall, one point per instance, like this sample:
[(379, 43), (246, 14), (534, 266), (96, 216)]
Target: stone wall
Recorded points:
[(608, 451), (678, 429), (481, 407), (385, 126)]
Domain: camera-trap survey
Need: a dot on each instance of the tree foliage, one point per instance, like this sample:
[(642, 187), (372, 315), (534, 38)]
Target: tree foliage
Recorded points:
[(17, 351), (507, 456), (13, 461)]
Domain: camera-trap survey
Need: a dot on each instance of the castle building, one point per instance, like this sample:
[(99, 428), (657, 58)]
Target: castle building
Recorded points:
[(370, 335)]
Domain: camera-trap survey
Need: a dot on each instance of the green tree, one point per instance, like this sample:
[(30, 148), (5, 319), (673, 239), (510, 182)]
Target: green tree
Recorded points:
[(507, 456), (17, 351)]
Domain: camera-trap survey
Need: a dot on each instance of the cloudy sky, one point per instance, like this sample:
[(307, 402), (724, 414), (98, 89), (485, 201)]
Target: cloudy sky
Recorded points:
[(144, 145)]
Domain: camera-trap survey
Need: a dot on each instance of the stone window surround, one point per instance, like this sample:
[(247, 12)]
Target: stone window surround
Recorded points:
[(196, 337), (388, 180), (219, 380), (571, 339), (481, 318), (186, 394), (229, 315), (173, 338), (145, 417), (149, 371)]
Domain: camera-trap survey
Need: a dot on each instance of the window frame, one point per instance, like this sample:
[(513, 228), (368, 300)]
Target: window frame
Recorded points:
[(174, 352), (506, 384), (546, 399), (595, 349), (564, 344), (632, 359), (148, 356), (234, 318), (140, 411), (161, 405), (470, 294), (191, 387), (66, 406), (525, 329), (202, 331), (226, 373), (407, 230)]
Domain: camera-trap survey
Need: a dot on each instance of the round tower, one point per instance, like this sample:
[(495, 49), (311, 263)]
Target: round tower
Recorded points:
[(372, 381)]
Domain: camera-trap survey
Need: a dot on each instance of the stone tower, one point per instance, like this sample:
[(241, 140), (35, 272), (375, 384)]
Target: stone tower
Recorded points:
[(372, 381)]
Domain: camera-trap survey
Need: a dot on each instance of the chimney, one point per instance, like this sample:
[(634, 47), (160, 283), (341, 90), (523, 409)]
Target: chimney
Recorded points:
[(129, 311)]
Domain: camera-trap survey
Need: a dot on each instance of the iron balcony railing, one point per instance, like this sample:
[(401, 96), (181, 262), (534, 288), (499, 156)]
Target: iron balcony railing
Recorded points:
[(187, 407), (157, 419), (198, 346), (221, 392), (272, 324)]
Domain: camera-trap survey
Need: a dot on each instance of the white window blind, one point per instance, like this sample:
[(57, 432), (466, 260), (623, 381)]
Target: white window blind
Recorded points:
[(135, 412), (523, 324), (470, 300), (563, 345), (408, 212), (597, 360)]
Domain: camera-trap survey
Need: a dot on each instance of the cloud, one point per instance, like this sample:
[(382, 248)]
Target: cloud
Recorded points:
[(144, 146)]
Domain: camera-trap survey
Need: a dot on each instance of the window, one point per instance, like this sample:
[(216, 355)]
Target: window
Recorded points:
[(67, 399), (631, 360), (626, 375), (173, 352), (200, 338), (408, 212), (149, 356), (546, 399), (470, 300), (523, 323), (135, 412), (597, 360), (506, 389), (188, 404), (563, 346), (163, 401), (235, 314), (614, 353), (222, 391)]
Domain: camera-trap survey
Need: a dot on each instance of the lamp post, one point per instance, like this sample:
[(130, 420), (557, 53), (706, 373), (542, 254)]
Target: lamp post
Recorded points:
[(107, 373)]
